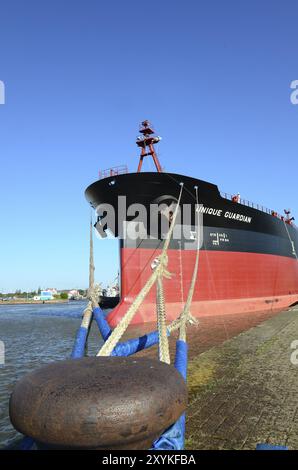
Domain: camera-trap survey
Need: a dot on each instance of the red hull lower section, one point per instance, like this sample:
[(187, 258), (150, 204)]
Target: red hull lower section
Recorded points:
[(228, 283)]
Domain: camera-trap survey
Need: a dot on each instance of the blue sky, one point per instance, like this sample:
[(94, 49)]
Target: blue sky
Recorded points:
[(213, 77)]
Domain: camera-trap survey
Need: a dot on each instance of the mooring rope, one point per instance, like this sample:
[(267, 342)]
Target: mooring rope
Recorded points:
[(164, 350), (93, 291), (160, 270), (80, 344), (291, 241), (186, 315), (87, 316), (93, 295)]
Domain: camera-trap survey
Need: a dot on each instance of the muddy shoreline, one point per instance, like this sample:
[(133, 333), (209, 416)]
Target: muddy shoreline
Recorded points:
[(32, 302)]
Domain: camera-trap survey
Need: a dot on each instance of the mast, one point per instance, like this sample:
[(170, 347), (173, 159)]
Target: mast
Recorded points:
[(146, 142)]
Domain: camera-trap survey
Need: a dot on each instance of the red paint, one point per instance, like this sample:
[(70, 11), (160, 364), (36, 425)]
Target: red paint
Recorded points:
[(228, 282)]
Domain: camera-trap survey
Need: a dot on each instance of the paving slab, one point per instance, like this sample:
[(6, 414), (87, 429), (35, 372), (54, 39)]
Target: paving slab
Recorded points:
[(244, 391)]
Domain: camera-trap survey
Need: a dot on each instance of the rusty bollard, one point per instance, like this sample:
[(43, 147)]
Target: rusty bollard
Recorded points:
[(98, 403)]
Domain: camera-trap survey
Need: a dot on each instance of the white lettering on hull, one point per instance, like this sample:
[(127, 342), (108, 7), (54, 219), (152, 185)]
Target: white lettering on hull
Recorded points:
[(228, 215), (239, 217)]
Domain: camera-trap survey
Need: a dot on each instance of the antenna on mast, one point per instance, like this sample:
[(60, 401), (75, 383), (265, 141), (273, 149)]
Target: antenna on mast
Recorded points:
[(146, 142)]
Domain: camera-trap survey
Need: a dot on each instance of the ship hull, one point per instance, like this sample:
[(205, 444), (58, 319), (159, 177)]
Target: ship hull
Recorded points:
[(227, 283), (248, 258)]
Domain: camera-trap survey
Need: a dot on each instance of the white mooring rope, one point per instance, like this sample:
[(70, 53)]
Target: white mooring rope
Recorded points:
[(159, 272)]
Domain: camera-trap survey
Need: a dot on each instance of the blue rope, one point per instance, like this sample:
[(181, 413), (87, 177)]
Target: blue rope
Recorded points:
[(102, 323), (134, 345), (80, 343), (128, 347), (270, 447), (181, 358), (27, 443), (174, 437)]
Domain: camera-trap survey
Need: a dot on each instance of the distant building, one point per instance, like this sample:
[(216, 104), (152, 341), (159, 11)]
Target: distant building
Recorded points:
[(73, 294), (46, 295), (52, 289)]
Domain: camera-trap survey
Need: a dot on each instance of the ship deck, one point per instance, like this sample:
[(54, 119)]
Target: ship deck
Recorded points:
[(242, 384)]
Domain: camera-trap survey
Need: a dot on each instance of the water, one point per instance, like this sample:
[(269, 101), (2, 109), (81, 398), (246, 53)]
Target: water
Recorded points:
[(34, 335), (39, 334)]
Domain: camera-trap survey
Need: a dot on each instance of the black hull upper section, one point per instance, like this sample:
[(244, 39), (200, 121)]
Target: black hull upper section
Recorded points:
[(228, 225)]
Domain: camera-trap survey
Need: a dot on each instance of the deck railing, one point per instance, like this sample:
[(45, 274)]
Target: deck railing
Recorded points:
[(253, 205), (114, 171)]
